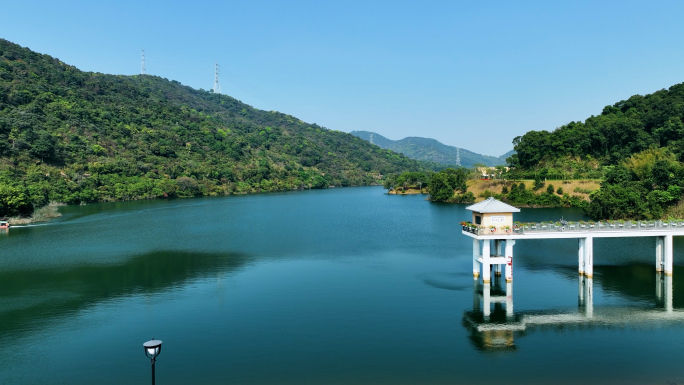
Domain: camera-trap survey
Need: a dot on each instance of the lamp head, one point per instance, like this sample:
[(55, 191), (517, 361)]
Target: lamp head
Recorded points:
[(152, 348)]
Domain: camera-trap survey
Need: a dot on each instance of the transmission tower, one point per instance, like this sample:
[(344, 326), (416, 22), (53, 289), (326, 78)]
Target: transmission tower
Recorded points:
[(217, 87), (458, 156), (372, 139), (142, 63)]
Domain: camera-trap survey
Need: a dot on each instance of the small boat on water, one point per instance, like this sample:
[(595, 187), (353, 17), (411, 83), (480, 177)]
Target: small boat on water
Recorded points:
[(4, 225)]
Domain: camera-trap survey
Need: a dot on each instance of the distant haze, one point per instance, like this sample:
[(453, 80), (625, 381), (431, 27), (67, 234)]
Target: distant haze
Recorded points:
[(432, 150)]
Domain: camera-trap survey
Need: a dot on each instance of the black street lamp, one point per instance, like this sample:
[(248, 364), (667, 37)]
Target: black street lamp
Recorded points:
[(152, 350)]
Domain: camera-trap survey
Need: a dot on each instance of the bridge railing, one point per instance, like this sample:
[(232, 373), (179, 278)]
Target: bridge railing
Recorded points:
[(581, 226)]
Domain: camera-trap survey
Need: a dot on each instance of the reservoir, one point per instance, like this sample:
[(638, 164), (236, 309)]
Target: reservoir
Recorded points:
[(338, 286)]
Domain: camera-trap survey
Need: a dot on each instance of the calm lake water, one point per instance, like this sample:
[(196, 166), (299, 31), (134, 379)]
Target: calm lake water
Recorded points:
[(339, 286)]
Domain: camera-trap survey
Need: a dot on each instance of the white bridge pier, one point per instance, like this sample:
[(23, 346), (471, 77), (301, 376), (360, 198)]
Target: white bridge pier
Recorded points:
[(482, 255), (488, 255), (494, 234)]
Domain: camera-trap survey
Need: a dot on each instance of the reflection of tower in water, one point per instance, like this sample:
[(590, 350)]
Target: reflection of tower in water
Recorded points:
[(492, 323), (493, 326)]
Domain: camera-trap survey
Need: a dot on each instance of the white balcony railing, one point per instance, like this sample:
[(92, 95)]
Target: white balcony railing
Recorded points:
[(589, 226)]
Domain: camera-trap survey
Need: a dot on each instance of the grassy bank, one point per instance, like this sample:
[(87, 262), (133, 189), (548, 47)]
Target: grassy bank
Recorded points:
[(42, 214), (408, 191), (579, 187)]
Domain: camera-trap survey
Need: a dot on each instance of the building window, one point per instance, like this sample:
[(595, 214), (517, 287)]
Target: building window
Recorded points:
[(478, 220)]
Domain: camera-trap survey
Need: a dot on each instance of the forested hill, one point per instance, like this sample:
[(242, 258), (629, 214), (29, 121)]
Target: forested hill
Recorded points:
[(623, 129), (73, 136), (636, 146), (431, 150)]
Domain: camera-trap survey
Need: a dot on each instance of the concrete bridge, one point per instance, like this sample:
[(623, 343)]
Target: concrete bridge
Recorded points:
[(494, 234)]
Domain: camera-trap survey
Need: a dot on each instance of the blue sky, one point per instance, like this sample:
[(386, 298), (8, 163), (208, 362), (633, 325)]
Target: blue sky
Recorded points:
[(469, 74)]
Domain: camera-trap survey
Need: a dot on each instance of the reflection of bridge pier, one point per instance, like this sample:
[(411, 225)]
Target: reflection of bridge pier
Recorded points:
[(492, 310), (664, 291), (494, 325), (489, 296), (586, 295)]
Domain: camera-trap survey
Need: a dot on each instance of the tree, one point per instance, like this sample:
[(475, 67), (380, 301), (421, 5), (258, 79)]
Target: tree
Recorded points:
[(665, 173), (642, 163), (444, 184), (618, 202), (538, 183), (43, 148), (14, 201), (187, 186), (440, 187), (458, 178), (389, 182)]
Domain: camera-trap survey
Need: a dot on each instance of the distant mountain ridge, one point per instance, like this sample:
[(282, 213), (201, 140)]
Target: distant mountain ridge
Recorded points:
[(432, 150)]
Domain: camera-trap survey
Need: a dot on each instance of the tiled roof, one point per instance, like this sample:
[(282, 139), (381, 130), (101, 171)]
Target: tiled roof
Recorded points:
[(492, 205)]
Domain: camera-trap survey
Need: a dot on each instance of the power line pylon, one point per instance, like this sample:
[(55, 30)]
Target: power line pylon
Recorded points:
[(217, 87), (142, 63)]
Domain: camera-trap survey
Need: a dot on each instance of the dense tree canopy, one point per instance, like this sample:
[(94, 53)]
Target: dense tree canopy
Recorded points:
[(447, 184), (637, 145), (625, 128), (644, 186), (73, 136)]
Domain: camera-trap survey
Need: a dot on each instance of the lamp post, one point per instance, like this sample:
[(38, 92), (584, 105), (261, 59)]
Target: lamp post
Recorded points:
[(152, 350)]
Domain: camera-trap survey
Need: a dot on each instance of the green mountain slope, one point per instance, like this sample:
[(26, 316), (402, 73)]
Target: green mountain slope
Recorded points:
[(431, 150), (625, 128), (636, 145), (73, 136)]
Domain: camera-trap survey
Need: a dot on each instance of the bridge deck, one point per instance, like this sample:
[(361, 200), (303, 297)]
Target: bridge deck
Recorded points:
[(495, 257), (565, 232)]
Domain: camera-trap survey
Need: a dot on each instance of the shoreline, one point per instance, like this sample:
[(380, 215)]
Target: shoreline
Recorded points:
[(408, 191), (41, 214)]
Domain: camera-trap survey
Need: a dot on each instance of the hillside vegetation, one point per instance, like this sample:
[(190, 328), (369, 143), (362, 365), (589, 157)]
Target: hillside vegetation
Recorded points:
[(636, 146), (73, 136), (571, 193), (623, 129), (431, 150), (461, 185)]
